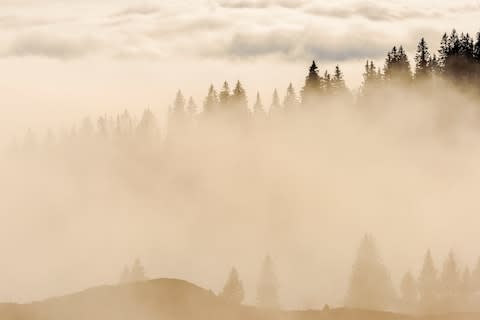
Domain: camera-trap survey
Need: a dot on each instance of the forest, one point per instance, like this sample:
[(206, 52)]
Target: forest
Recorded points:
[(229, 161)]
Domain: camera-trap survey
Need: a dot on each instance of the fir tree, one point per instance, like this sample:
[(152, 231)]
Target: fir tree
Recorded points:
[(422, 60), (137, 273), (338, 82), (239, 98), (450, 277), (370, 285), (312, 86), (224, 96), (191, 108), (267, 290), (427, 282), (233, 289), (275, 107), (258, 108), (211, 101), (408, 289), (290, 102)]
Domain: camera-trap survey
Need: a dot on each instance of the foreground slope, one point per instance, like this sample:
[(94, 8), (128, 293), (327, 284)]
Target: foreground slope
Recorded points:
[(169, 299)]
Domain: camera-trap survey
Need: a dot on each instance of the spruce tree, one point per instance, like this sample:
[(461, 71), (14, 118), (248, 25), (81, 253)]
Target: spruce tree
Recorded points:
[(450, 277), (422, 60), (137, 273), (179, 104), (211, 101), (408, 288), (290, 102), (267, 289), (233, 290), (258, 108), (239, 98), (311, 90), (338, 82), (224, 96), (275, 107), (191, 108), (428, 283), (370, 284)]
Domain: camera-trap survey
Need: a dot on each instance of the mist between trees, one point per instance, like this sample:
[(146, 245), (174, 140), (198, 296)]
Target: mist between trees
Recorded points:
[(302, 177)]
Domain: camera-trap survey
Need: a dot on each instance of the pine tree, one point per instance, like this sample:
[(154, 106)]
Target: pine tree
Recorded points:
[(179, 104), (258, 108), (370, 285), (450, 277), (275, 107), (137, 273), (239, 98), (267, 289), (290, 102), (409, 292), (443, 52), (422, 60), (312, 86), (191, 108), (224, 96), (397, 66), (233, 289), (338, 82), (476, 48), (427, 282), (148, 124), (211, 101)]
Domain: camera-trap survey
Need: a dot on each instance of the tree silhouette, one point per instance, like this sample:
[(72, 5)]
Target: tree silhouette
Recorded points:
[(290, 102), (137, 273), (267, 289), (370, 285), (258, 108), (311, 90), (427, 282), (408, 289), (422, 60), (233, 289), (211, 101), (224, 96)]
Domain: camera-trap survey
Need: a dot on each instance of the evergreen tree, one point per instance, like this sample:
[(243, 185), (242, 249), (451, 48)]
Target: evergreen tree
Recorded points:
[(179, 104), (312, 86), (408, 288), (192, 108), (397, 66), (338, 82), (239, 98), (275, 107), (450, 277), (443, 52), (233, 289), (422, 60), (267, 289), (224, 96), (326, 82), (148, 124), (258, 108), (476, 49), (466, 287), (370, 285), (427, 282), (137, 273), (290, 102), (211, 101)]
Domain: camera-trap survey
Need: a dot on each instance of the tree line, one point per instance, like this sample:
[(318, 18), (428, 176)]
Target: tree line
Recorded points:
[(449, 289), (457, 61)]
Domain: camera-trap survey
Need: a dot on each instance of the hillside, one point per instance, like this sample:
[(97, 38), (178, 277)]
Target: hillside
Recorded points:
[(171, 299)]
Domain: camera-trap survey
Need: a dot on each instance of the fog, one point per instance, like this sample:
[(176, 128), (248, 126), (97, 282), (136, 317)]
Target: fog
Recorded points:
[(196, 198)]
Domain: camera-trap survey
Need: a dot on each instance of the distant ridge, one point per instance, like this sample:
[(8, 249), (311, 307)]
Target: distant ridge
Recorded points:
[(172, 299)]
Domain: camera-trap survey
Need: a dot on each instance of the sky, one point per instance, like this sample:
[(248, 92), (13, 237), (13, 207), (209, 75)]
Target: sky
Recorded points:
[(69, 59)]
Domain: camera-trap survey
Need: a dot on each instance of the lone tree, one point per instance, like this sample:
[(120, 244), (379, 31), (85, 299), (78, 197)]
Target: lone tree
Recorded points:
[(267, 290), (233, 290), (370, 284)]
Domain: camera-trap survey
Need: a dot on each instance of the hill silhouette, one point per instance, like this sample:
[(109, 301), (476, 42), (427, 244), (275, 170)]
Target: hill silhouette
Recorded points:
[(175, 299)]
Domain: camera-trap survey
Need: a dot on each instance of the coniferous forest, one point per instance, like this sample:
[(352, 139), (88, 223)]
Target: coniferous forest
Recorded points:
[(238, 175)]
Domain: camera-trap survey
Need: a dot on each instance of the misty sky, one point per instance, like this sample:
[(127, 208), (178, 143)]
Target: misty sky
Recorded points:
[(70, 58)]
